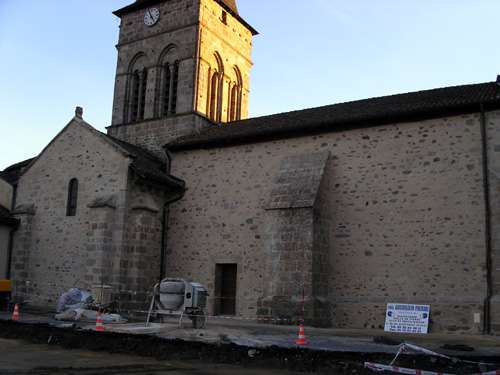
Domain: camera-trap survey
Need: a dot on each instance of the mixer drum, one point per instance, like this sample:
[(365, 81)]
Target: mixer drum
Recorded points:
[(172, 294)]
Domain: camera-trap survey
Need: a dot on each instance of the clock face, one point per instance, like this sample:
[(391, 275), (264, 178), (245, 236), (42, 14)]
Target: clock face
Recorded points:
[(151, 16)]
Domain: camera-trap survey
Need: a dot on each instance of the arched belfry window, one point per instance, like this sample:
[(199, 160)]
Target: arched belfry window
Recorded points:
[(235, 96), (169, 94), (143, 90), (215, 89), (175, 83), (134, 101), (137, 84), (72, 198), (167, 84)]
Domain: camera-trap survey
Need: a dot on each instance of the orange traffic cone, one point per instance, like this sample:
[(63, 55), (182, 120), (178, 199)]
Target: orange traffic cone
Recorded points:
[(99, 323), (15, 314), (302, 336)]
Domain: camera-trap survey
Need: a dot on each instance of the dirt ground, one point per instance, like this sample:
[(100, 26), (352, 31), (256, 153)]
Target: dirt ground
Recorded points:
[(117, 353), (20, 357)]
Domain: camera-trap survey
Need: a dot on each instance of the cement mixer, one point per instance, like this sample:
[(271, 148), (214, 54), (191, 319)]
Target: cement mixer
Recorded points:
[(178, 297)]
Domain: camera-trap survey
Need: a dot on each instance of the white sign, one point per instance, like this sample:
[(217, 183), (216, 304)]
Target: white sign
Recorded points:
[(404, 318)]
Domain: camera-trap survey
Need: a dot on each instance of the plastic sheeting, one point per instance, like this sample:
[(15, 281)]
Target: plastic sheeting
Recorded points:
[(73, 299)]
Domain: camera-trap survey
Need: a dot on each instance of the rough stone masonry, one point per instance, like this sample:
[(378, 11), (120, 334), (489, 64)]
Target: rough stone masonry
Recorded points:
[(342, 208)]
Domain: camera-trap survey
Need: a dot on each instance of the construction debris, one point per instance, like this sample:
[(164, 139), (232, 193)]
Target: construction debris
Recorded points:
[(88, 315), (455, 363), (78, 305), (74, 299)]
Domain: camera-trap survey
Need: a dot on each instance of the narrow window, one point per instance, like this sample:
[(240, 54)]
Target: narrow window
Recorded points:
[(144, 84), (213, 96), (166, 89), (239, 95), (175, 81), (136, 83), (233, 102), (224, 18), (72, 197)]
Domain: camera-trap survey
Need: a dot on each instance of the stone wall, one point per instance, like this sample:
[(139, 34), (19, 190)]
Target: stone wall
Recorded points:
[(493, 140), (52, 251), (4, 250), (154, 134), (21, 255), (297, 277), (140, 264), (6, 192), (321, 270), (192, 32), (178, 26), (400, 217), (233, 42)]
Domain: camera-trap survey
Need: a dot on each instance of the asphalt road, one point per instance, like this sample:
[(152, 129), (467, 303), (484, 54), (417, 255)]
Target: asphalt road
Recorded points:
[(18, 357)]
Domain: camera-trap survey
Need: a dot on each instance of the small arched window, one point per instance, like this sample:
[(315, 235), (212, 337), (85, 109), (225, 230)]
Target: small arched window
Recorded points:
[(215, 89), (175, 82), (214, 97), (235, 97), (137, 84), (134, 103), (233, 103), (167, 82), (72, 198), (144, 85)]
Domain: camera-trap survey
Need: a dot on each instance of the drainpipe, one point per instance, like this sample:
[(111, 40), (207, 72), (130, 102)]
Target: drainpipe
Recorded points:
[(165, 218), (486, 188)]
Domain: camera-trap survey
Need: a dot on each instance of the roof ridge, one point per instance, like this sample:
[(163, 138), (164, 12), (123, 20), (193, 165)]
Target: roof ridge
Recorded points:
[(402, 107), (359, 101), (144, 151), (228, 5), (18, 164)]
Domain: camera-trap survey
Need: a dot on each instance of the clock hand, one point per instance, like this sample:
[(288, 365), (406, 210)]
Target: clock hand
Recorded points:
[(150, 15)]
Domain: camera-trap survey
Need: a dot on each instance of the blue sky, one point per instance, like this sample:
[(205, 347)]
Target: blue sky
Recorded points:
[(58, 54)]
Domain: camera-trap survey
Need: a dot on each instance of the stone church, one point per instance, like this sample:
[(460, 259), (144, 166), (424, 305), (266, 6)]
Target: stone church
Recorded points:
[(353, 205)]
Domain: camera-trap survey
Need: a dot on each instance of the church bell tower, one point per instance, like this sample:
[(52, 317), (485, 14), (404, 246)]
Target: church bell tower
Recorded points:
[(182, 65)]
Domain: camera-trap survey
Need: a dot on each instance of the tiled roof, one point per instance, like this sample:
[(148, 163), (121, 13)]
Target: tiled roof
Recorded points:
[(147, 165), (228, 5), (13, 173), (6, 218), (137, 5), (231, 4), (362, 113)]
